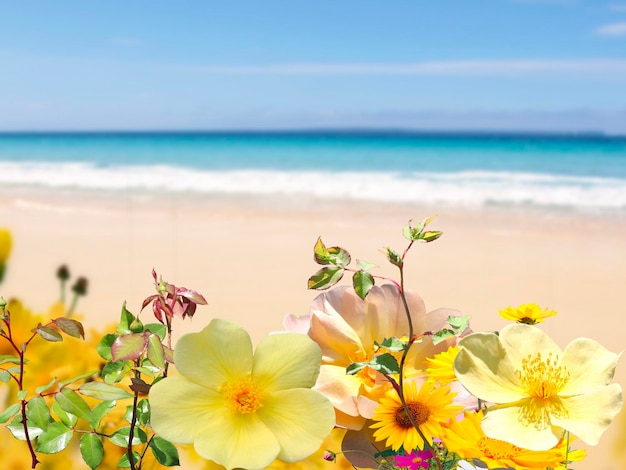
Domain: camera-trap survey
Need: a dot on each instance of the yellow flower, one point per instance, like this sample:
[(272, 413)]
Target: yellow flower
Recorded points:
[(527, 313), (5, 245), (346, 329), (241, 409), (467, 439), (537, 387), (429, 407), (440, 367)]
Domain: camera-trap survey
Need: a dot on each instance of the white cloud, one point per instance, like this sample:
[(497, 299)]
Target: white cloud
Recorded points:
[(612, 29), (510, 67)]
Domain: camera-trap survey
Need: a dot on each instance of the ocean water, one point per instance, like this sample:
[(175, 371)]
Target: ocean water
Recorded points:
[(579, 173)]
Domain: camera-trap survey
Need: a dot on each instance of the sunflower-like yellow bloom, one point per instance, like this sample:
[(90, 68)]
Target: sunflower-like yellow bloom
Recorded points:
[(440, 367), (239, 409), (536, 386), (467, 439), (347, 328), (429, 407), (530, 314), (5, 245)]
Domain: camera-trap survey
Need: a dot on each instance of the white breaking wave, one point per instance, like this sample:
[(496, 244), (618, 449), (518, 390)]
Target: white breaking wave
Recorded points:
[(467, 188)]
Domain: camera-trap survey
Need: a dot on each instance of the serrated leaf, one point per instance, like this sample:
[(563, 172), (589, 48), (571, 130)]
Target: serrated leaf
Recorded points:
[(76, 378), (17, 429), (9, 412), (115, 371), (325, 278), (128, 347), (458, 323), (47, 333), (72, 402), (155, 351), (104, 346), (393, 257), (92, 450), (101, 410), (385, 363), (121, 436), (125, 463), (362, 282), (54, 439), (334, 255), (164, 452), (103, 391), (70, 327), (5, 376), (393, 344), (42, 388), (158, 329), (38, 413), (66, 418), (126, 318)]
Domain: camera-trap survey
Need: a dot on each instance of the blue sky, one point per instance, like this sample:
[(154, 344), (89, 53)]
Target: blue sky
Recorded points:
[(447, 64)]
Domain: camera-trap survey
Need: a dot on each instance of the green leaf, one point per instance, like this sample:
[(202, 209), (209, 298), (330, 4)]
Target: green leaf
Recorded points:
[(38, 413), (68, 419), (72, 402), (103, 391), (325, 278), (143, 412), (129, 347), (47, 333), (393, 344), (385, 363), (393, 257), (17, 429), (104, 346), (125, 463), (21, 395), (9, 412), (158, 329), (164, 452), (362, 282), (459, 323), (92, 450), (356, 367), (126, 318), (442, 335), (42, 388), (4, 376), (430, 236), (4, 358), (365, 265), (334, 255), (155, 351), (115, 371), (70, 327), (121, 436), (101, 410), (55, 439), (76, 378)]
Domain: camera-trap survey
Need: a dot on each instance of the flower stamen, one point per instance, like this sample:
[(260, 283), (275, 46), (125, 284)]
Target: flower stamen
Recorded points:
[(418, 411), (243, 396)]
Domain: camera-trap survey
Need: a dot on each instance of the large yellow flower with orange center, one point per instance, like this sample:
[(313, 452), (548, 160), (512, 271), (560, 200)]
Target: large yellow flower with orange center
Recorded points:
[(429, 407), (537, 388), (239, 409), (347, 329), (467, 439)]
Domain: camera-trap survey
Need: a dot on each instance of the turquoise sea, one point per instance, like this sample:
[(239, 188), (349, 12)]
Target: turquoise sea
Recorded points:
[(579, 173)]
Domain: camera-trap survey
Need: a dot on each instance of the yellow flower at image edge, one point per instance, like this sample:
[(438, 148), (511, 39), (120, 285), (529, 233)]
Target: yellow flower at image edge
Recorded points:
[(239, 409), (536, 388), (467, 439), (529, 314), (429, 407)]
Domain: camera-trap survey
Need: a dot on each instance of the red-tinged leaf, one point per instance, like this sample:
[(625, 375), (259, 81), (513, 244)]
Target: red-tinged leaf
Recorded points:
[(139, 386), (47, 333), (168, 354), (326, 277), (70, 327), (148, 301), (155, 351), (128, 347), (192, 295)]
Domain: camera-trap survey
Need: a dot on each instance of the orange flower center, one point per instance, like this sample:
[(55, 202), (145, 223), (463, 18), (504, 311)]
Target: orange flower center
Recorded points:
[(418, 411), (496, 449), (243, 396)]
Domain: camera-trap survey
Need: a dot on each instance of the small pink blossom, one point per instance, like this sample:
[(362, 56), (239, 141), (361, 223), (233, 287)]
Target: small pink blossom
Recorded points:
[(415, 460)]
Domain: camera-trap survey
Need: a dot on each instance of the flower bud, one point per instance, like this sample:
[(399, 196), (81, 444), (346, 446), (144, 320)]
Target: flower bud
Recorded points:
[(63, 273), (330, 456), (80, 286)]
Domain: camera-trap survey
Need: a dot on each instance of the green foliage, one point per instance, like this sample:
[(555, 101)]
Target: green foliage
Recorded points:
[(326, 277), (56, 438), (334, 255), (362, 282), (92, 450), (385, 363), (457, 326), (164, 452), (9, 412)]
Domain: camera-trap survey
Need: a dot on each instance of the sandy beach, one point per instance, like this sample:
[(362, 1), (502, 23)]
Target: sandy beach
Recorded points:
[(251, 260)]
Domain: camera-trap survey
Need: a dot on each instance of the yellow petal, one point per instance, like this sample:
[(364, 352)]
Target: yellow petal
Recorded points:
[(180, 408), (521, 340), (505, 423), (484, 368), (300, 419), (221, 352), (589, 364), (589, 415), (237, 441), (286, 360)]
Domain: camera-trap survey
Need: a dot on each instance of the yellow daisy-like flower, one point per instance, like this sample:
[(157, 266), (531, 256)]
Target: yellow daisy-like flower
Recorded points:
[(536, 386), (527, 313), (243, 409), (440, 367), (5, 245), (429, 407), (467, 439)]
